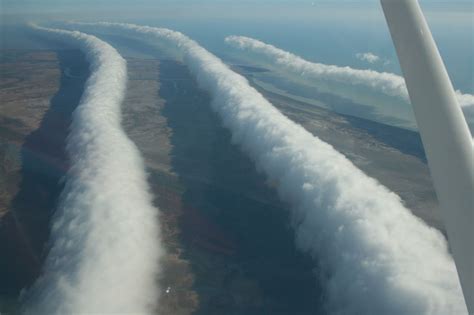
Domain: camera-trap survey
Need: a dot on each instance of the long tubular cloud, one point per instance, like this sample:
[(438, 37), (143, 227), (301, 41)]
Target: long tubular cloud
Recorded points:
[(373, 255), (105, 235), (387, 83)]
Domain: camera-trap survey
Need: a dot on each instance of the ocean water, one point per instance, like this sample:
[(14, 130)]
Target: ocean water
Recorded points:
[(325, 34), (328, 33), (335, 34)]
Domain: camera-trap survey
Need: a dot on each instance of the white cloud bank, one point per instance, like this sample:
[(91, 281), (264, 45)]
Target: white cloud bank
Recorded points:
[(387, 83), (368, 56), (105, 235), (373, 255)]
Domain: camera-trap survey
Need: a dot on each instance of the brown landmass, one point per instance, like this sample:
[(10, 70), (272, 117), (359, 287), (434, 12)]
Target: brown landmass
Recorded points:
[(37, 99), (363, 143), (145, 125), (229, 244), (28, 81)]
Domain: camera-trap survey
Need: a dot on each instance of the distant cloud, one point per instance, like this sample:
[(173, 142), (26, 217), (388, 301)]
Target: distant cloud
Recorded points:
[(372, 254), (387, 83), (368, 56)]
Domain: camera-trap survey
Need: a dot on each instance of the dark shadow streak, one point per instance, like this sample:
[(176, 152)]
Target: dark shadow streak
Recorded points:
[(24, 231), (235, 231)]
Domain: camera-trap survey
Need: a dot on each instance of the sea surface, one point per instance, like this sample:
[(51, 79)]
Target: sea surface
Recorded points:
[(236, 237)]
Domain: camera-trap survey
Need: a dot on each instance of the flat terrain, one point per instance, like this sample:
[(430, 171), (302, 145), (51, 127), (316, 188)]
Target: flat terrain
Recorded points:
[(40, 89), (230, 246), (28, 81), (393, 156), (148, 128), (230, 249)]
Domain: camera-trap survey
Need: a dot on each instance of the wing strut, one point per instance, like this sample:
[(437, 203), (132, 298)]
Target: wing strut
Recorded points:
[(443, 129)]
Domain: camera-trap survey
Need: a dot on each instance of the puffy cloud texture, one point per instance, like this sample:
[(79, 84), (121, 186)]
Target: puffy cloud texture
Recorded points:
[(105, 246), (386, 83), (368, 56), (373, 255)]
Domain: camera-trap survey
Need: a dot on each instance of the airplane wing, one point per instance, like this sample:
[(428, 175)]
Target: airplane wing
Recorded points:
[(443, 129)]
